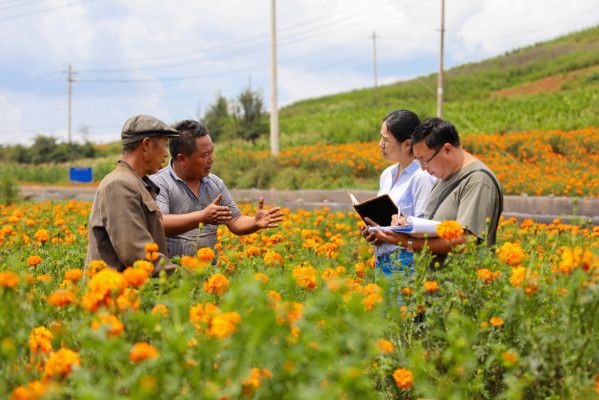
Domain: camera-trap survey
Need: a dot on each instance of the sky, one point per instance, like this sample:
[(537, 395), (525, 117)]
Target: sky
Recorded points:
[(171, 59)]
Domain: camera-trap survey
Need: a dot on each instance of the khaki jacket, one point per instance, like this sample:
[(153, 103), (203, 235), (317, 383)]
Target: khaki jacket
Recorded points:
[(124, 218)]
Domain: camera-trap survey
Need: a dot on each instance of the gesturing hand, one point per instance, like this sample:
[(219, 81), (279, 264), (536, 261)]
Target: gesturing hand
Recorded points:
[(267, 218), (215, 214)]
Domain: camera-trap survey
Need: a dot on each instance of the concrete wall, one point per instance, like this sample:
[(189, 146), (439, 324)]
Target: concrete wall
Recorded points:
[(542, 208)]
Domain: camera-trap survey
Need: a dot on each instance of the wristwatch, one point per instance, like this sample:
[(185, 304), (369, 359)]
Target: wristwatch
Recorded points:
[(410, 246)]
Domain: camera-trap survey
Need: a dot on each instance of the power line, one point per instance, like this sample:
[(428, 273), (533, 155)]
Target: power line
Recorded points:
[(44, 11)]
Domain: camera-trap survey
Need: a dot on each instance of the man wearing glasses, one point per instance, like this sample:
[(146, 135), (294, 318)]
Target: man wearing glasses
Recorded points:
[(466, 191)]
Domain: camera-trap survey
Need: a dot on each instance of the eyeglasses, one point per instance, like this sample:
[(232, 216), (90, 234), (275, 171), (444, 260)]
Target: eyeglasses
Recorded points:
[(424, 164)]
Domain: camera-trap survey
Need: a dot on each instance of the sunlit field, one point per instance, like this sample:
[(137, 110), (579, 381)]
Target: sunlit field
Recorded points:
[(295, 313)]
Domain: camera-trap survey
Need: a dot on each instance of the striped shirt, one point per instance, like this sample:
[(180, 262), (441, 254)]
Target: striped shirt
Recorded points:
[(176, 197)]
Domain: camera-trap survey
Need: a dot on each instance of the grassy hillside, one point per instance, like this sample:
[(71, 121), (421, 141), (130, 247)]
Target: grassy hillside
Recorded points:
[(546, 86)]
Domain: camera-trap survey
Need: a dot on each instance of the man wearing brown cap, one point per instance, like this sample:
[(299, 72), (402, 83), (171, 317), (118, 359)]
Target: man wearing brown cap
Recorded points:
[(125, 216)]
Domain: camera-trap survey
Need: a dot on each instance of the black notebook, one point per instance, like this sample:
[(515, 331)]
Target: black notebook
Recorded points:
[(379, 209)]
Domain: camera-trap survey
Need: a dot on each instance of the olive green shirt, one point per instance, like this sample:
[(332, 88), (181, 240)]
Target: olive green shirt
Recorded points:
[(475, 199), (124, 218)]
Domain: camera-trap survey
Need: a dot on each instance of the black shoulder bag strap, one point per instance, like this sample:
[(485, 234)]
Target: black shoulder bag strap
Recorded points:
[(455, 185)]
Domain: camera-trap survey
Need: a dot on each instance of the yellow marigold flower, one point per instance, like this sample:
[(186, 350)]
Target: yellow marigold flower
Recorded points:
[(224, 324), (496, 321), (33, 391), (142, 351), (8, 279), (60, 364), (205, 254), (151, 247), (40, 339), (370, 301), (518, 275), (449, 230), (7, 230), (431, 286), (94, 267), (575, 258), (372, 288), (34, 260), (135, 276), (145, 265), (360, 269), (193, 263), (328, 250), (160, 309), (403, 378), (251, 250), (511, 254), (73, 274), (61, 298), (114, 327), (216, 284), (41, 236), (385, 346), (261, 277)]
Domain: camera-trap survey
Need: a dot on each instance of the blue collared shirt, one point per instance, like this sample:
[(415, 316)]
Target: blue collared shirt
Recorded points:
[(410, 193), (176, 197)]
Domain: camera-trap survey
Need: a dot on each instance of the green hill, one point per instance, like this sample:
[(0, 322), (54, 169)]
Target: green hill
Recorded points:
[(548, 85)]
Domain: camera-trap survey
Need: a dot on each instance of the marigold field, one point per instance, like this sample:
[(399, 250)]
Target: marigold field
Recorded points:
[(294, 313)]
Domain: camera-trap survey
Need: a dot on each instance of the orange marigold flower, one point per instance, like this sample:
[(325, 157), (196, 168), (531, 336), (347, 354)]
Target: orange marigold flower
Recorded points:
[(261, 277), (33, 391), (224, 324), (151, 247), (216, 284), (511, 254), (431, 286), (370, 301), (129, 300), (142, 351), (193, 263), (94, 267), (73, 274), (496, 321), (8, 279), (60, 364), (151, 256), (449, 230), (113, 326), (407, 291), (103, 286), (271, 257), (385, 346), (289, 312), (509, 358), (203, 313), (160, 309), (135, 276), (305, 277), (403, 378), (360, 269), (205, 254), (41, 236), (40, 339), (254, 380), (61, 298), (34, 260), (43, 278)]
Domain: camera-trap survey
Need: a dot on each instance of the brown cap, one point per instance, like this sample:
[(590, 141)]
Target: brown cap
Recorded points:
[(140, 126)]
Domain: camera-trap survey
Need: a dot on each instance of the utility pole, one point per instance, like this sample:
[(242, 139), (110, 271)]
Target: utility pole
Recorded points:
[(70, 80), (274, 111), (440, 75), (376, 90)]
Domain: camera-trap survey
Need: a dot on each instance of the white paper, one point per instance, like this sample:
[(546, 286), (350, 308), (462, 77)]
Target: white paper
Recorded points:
[(415, 227)]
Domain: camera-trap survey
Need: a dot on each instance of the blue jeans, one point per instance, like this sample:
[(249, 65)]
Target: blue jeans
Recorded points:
[(394, 268)]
